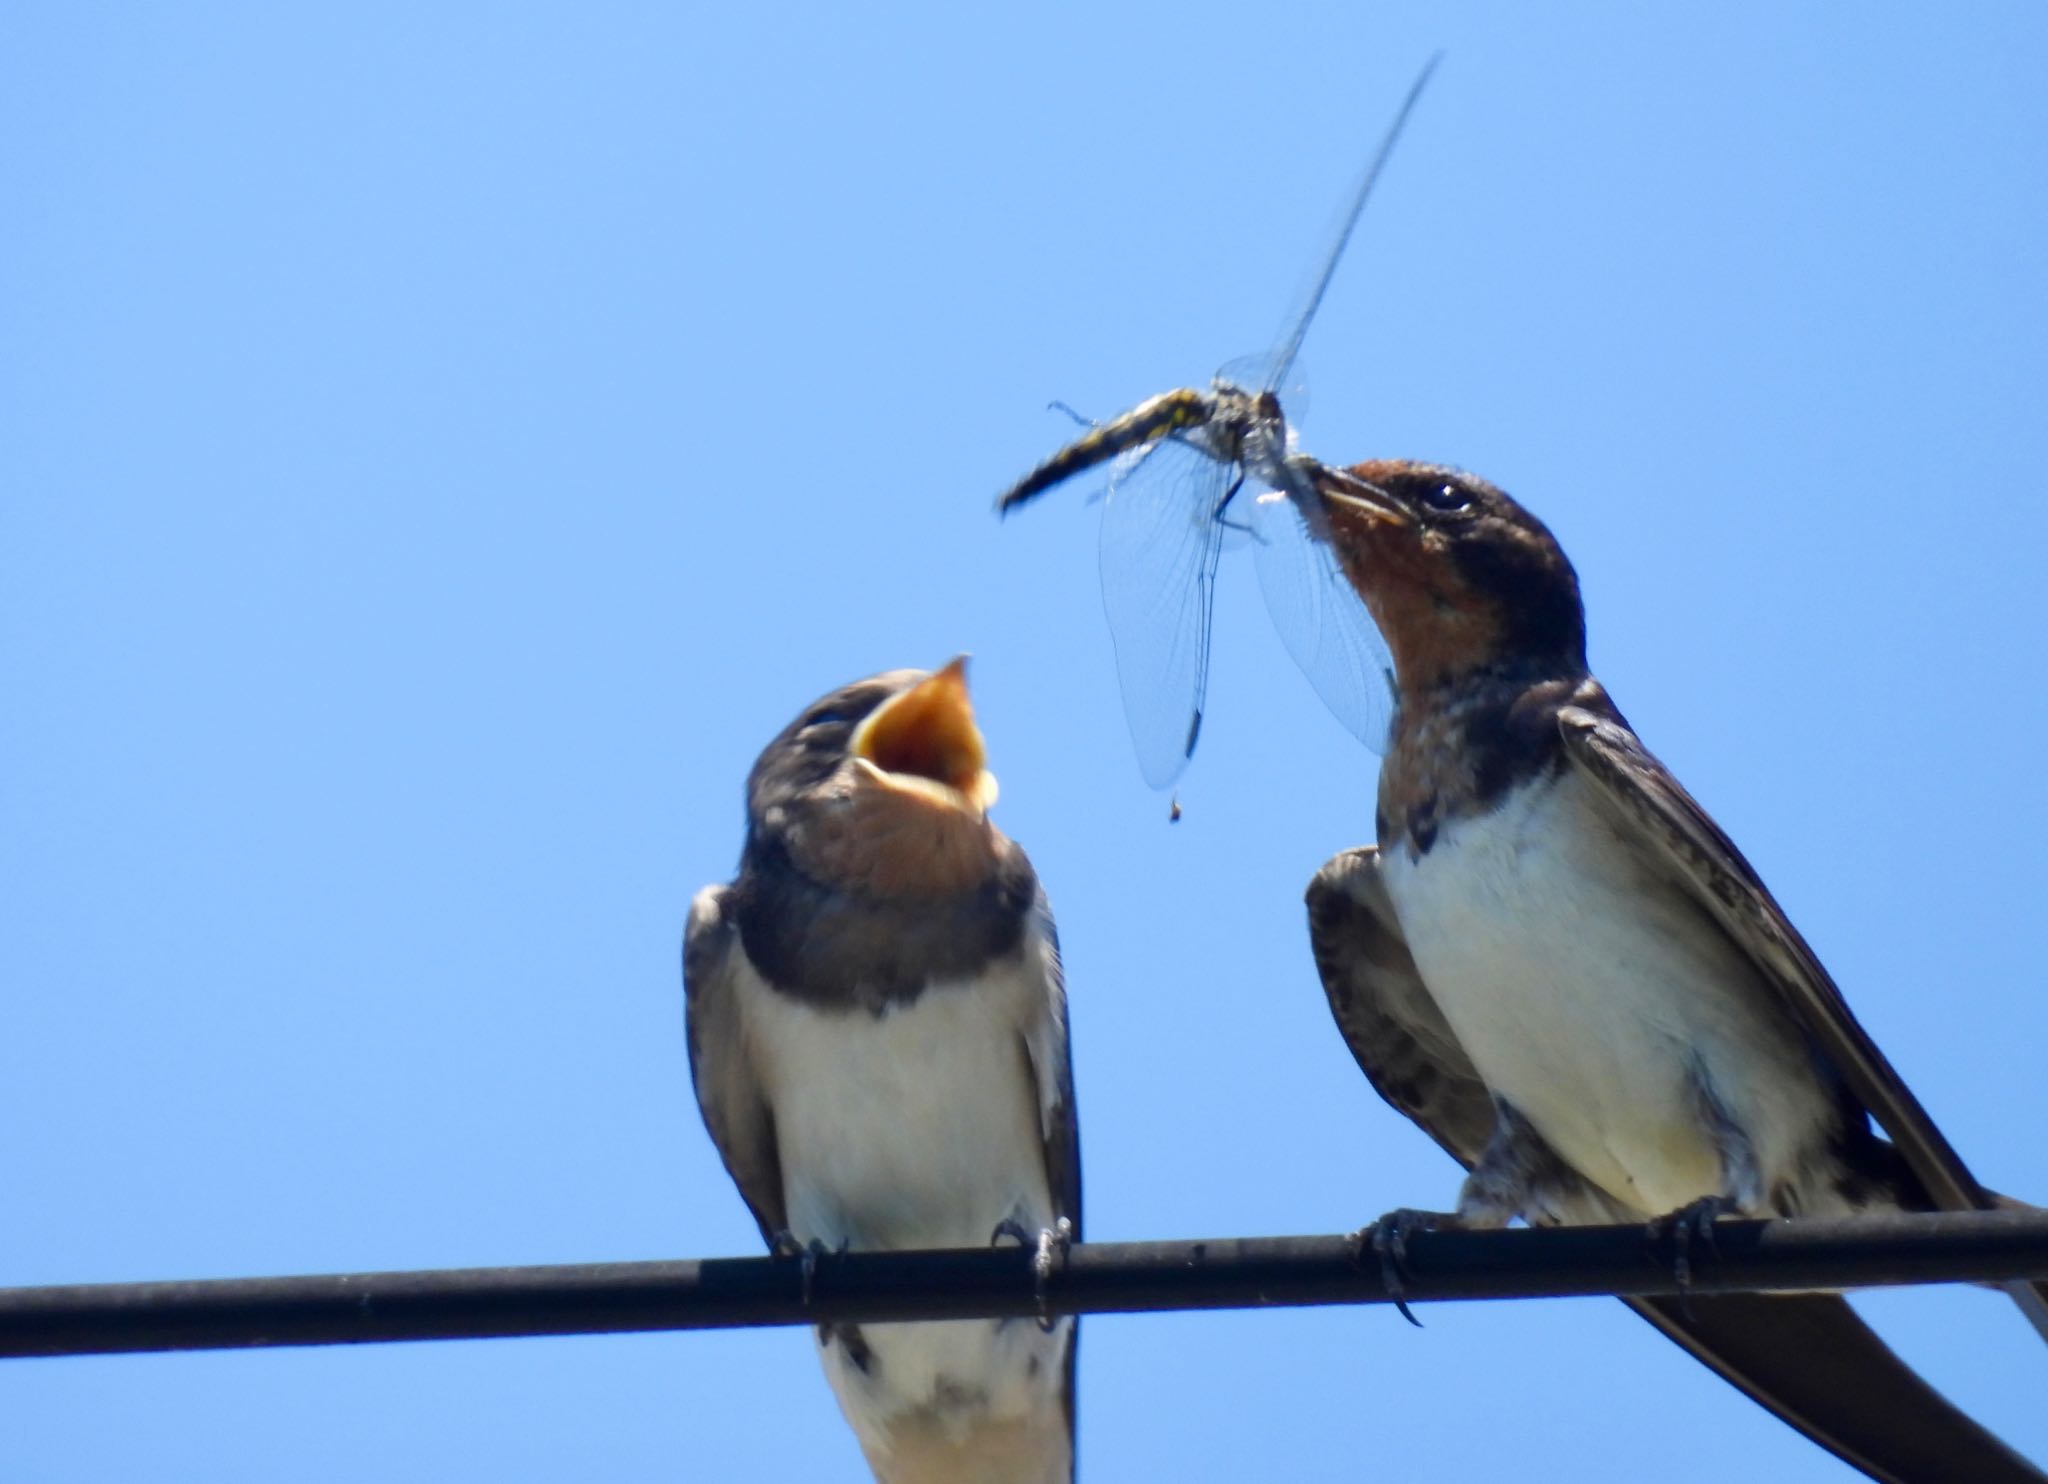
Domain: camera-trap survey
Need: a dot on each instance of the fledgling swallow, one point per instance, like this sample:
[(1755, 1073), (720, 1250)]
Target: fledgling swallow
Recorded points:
[(1559, 967), (878, 1039)]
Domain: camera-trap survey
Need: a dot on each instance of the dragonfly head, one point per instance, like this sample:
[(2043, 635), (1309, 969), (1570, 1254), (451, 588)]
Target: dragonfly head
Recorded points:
[(1458, 576)]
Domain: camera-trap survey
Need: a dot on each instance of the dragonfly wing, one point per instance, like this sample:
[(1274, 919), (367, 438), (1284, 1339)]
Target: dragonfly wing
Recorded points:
[(1322, 620), (1160, 546), (1297, 326)]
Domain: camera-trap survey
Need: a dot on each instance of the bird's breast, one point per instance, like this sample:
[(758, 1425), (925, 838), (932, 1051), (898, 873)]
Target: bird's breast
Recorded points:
[(914, 1127), (1599, 1000)]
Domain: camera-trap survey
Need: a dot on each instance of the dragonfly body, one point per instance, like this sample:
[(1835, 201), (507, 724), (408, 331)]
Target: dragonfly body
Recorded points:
[(1227, 423)]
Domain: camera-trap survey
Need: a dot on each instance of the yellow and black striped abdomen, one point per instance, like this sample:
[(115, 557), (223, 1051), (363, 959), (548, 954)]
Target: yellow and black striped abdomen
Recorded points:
[(1154, 418)]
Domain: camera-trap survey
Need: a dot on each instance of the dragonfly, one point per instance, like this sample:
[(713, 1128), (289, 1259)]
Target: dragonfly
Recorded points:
[(1194, 470)]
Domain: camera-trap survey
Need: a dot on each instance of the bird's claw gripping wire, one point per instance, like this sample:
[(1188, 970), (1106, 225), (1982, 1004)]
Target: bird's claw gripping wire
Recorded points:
[(1050, 1246), (1387, 1240), (1054, 1243), (1690, 1223), (786, 1244)]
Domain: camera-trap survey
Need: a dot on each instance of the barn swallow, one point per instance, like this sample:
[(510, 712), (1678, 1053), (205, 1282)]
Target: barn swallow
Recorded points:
[(878, 1039), (1558, 966)]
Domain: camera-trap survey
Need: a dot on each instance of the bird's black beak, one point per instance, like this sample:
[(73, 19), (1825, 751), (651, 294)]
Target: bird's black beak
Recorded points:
[(1355, 495), (925, 739)]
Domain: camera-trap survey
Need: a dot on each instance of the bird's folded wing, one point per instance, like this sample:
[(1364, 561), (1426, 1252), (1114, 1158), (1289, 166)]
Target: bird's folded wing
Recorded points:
[(1051, 1061), (1403, 1044), (1048, 1054), (728, 1090)]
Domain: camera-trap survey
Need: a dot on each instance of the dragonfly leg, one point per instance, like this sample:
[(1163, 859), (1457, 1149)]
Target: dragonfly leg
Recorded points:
[(1224, 504)]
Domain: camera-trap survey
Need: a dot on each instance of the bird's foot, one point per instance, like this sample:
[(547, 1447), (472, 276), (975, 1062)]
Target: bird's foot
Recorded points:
[(1049, 1252), (785, 1243), (1690, 1223), (1054, 1243), (1387, 1240)]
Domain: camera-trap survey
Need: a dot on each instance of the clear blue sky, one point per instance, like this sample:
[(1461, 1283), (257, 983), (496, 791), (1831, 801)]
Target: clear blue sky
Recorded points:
[(440, 446)]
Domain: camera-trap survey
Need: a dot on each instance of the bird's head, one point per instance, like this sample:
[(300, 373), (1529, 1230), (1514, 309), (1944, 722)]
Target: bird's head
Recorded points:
[(1458, 576), (882, 787)]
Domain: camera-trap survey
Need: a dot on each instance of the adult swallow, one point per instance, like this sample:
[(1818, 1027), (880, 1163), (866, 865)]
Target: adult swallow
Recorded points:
[(878, 1039), (1559, 967)]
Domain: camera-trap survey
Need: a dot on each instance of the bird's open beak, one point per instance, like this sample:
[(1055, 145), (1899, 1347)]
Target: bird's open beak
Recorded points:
[(1356, 495), (926, 739)]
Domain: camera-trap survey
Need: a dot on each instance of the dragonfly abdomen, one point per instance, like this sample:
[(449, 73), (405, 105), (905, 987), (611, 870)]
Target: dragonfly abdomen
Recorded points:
[(1152, 419)]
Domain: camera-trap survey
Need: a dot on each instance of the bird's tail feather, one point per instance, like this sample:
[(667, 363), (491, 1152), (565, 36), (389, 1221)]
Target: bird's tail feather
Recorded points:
[(1810, 1360)]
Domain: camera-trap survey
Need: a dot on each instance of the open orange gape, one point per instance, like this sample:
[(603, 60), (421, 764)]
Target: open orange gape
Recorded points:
[(925, 739)]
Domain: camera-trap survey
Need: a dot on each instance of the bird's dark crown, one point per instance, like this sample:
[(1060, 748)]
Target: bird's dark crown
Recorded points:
[(1464, 582), (807, 752)]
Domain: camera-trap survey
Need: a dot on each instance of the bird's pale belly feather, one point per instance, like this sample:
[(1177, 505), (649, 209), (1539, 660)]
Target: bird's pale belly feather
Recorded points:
[(918, 1128), (1593, 996)]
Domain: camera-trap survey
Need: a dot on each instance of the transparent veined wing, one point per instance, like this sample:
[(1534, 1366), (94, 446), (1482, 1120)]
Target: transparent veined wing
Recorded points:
[(1354, 207), (1322, 620), (1160, 545)]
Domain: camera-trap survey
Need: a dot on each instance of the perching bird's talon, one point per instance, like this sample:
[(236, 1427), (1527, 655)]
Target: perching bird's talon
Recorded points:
[(1688, 1224), (1054, 1243), (1387, 1240), (785, 1244)]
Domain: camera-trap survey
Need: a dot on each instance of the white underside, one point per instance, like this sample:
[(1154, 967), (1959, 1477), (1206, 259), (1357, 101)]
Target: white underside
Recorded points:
[(921, 1128), (1587, 993)]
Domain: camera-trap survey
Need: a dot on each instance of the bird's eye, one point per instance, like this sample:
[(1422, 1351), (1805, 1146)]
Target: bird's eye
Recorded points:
[(1446, 499)]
